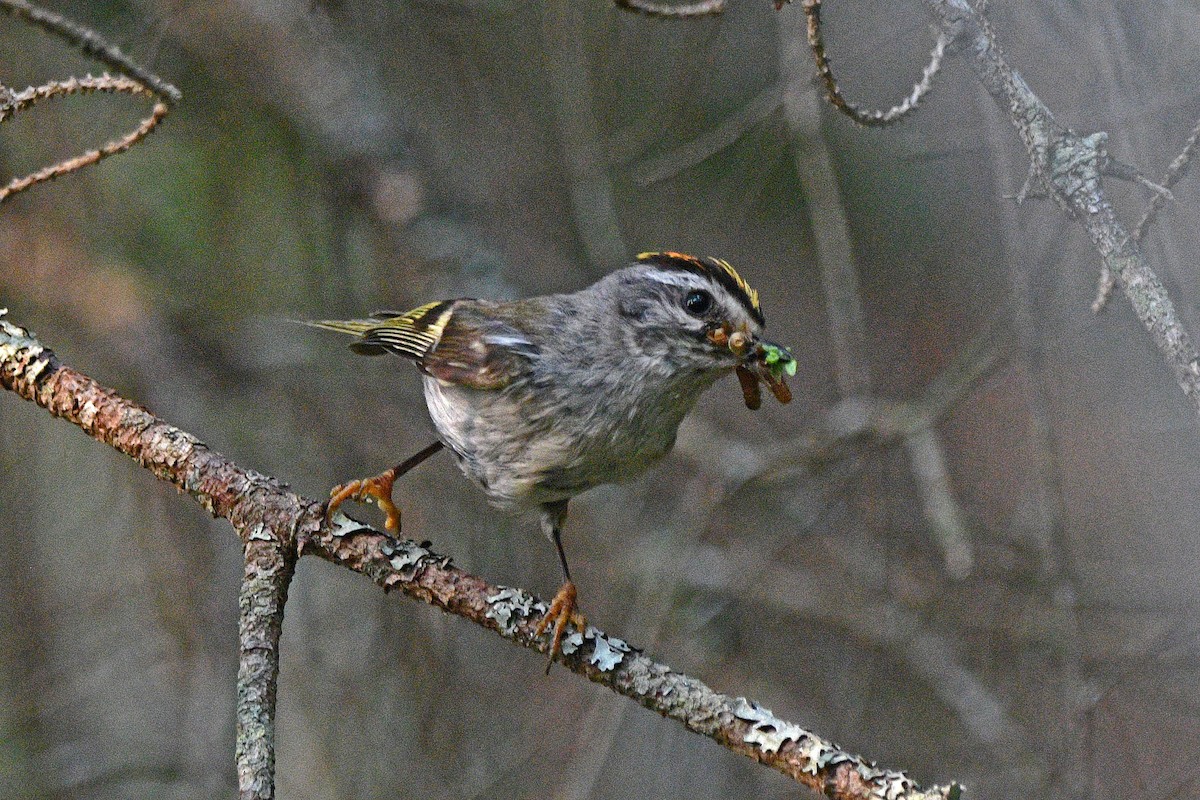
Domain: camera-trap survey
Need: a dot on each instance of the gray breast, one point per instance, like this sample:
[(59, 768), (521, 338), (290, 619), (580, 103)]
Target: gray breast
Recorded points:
[(540, 440)]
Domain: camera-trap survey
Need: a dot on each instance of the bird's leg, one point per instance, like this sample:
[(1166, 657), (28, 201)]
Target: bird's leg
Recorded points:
[(562, 607), (379, 489)]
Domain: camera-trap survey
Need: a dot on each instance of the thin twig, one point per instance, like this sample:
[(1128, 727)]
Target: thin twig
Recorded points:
[(859, 422), (827, 215), (927, 459), (1174, 173), (23, 100), (92, 44), (1104, 288), (702, 8), (870, 118), (1114, 168), (13, 102), (262, 510)]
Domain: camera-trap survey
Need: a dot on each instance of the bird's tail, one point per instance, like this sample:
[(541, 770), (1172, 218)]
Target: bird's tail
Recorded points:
[(353, 327)]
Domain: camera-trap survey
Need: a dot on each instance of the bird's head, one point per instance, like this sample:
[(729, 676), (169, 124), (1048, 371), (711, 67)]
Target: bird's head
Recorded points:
[(697, 315)]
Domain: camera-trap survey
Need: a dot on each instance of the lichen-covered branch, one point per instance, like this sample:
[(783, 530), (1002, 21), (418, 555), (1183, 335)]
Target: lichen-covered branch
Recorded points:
[(269, 569), (1175, 172), (1177, 169), (263, 513), (274, 522), (1070, 166)]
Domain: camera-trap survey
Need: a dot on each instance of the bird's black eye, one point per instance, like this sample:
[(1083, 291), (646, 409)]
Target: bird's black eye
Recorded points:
[(698, 302)]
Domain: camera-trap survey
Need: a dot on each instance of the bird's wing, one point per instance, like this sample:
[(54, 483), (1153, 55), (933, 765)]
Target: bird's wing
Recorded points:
[(449, 340), (479, 350)]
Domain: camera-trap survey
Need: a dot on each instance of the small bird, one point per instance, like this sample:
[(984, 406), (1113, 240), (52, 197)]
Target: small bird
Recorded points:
[(543, 398)]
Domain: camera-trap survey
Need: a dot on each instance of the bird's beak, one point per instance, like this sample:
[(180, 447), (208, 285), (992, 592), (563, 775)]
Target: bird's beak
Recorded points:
[(761, 361), (772, 354)]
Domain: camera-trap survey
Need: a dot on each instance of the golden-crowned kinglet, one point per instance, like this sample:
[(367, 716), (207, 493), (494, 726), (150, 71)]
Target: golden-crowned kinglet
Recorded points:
[(543, 398)]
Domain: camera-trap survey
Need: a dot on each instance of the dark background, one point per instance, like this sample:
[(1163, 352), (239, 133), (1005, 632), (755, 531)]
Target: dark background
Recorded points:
[(336, 158)]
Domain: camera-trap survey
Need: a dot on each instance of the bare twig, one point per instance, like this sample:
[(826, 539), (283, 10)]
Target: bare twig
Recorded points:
[(887, 623), (816, 594), (927, 459), (140, 82), (263, 511), (702, 8), (1104, 288), (20, 101), (14, 102), (1070, 166), (1029, 188), (92, 44), (1175, 172), (823, 199), (1115, 168), (858, 422), (864, 116), (839, 279)]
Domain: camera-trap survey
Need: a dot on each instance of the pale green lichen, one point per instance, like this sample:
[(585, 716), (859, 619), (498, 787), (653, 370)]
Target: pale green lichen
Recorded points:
[(508, 606), (14, 339), (341, 525), (406, 557), (607, 651), (259, 533), (770, 733)]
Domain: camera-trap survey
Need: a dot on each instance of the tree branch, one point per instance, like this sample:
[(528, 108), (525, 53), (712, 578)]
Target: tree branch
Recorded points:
[(269, 570), (14, 102), (274, 523), (1175, 172), (1071, 167), (92, 44)]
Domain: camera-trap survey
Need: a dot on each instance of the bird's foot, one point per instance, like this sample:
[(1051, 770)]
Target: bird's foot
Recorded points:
[(562, 610), (378, 489)]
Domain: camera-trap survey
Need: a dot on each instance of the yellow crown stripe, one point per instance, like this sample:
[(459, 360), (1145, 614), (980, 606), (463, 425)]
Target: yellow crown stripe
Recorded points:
[(739, 280), (707, 265)]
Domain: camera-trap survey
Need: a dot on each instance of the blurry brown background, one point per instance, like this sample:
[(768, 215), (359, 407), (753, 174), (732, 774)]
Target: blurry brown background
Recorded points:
[(336, 158)]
